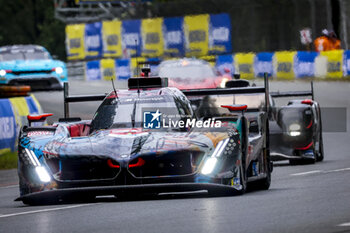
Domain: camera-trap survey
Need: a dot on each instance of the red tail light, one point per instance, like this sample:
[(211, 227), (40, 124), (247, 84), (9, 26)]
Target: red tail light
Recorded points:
[(307, 101), (140, 162), (112, 164)]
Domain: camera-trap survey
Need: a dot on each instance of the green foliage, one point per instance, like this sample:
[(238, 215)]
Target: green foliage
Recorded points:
[(32, 22), (8, 160)]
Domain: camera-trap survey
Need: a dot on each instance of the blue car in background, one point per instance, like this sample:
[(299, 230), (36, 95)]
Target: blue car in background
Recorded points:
[(31, 65)]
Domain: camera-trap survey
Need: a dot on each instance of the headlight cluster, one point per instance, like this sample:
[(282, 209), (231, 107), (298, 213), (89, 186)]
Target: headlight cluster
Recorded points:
[(59, 70), (2, 72), (210, 163), (41, 171), (294, 130)]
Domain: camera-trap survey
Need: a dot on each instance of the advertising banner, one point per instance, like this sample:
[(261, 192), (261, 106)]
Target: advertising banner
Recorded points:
[(131, 38), (283, 64), (93, 71), (33, 105), (347, 62), (173, 36), (263, 64), (108, 69), (196, 30), (225, 65), (220, 34), (93, 40), (75, 41), (111, 37), (335, 63), (304, 65), (8, 133), (244, 65), (152, 37), (123, 70)]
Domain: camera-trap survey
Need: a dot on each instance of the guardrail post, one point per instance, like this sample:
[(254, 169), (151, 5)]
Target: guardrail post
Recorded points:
[(66, 104)]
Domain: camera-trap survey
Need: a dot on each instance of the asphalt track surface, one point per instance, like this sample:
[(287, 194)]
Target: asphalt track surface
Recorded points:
[(305, 198)]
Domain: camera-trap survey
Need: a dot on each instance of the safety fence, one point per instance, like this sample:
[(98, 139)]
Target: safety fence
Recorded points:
[(13, 115), (194, 35), (281, 65)]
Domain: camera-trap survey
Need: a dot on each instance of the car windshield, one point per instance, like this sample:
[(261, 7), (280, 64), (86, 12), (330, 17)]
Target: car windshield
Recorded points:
[(186, 73), (24, 55), (128, 112)]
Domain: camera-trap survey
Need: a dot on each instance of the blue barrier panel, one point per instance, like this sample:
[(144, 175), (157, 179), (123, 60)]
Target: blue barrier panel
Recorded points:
[(174, 37), (123, 70), (220, 34), (32, 105), (93, 71), (304, 64), (263, 64), (93, 40), (131, 37), (346, 62), (224, 63), (7, 125)]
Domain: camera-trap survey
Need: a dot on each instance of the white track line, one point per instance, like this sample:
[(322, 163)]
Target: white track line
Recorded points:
[(44, 210), (320, 171), (9, 186), (347, 224), (339, 170), (306, 173)]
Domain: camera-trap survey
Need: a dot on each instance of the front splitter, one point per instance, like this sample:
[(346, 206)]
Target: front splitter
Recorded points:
[(114, 190)]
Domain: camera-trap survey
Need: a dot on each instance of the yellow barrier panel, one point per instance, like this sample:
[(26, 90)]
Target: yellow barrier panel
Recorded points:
[(20, 109), (209, 58), (134, 61), (196, 35), (108, 69), (244, 63), (75, 41), (284, 63), (335, 63), (152, 37), (111, 36)]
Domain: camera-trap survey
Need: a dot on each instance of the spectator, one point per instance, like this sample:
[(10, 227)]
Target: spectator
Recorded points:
[(328, 41)]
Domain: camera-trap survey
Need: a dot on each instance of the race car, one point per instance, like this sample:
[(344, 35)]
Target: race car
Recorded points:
[(191, 73), (31, 65), (296, 128), (146, 140)]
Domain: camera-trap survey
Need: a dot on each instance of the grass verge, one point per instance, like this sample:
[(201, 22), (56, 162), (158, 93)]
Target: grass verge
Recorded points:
[(8, 160)]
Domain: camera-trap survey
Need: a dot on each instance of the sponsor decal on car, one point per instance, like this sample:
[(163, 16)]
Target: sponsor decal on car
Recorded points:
[(154, 120)]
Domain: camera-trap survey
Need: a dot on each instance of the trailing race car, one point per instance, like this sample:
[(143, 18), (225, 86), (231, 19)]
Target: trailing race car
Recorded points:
[(146, 140), (191, 73), (31, 65), (295, 129)]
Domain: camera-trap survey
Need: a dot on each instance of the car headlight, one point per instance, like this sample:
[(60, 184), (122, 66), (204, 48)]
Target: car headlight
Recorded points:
[(43, 174), (209, 165), (59, 70), (294, 130), (40, 170), (2, 72)]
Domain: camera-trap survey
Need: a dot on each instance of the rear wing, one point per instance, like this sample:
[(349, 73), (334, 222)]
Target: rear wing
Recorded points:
[(77, 98), (294, 93), (234, 91)]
